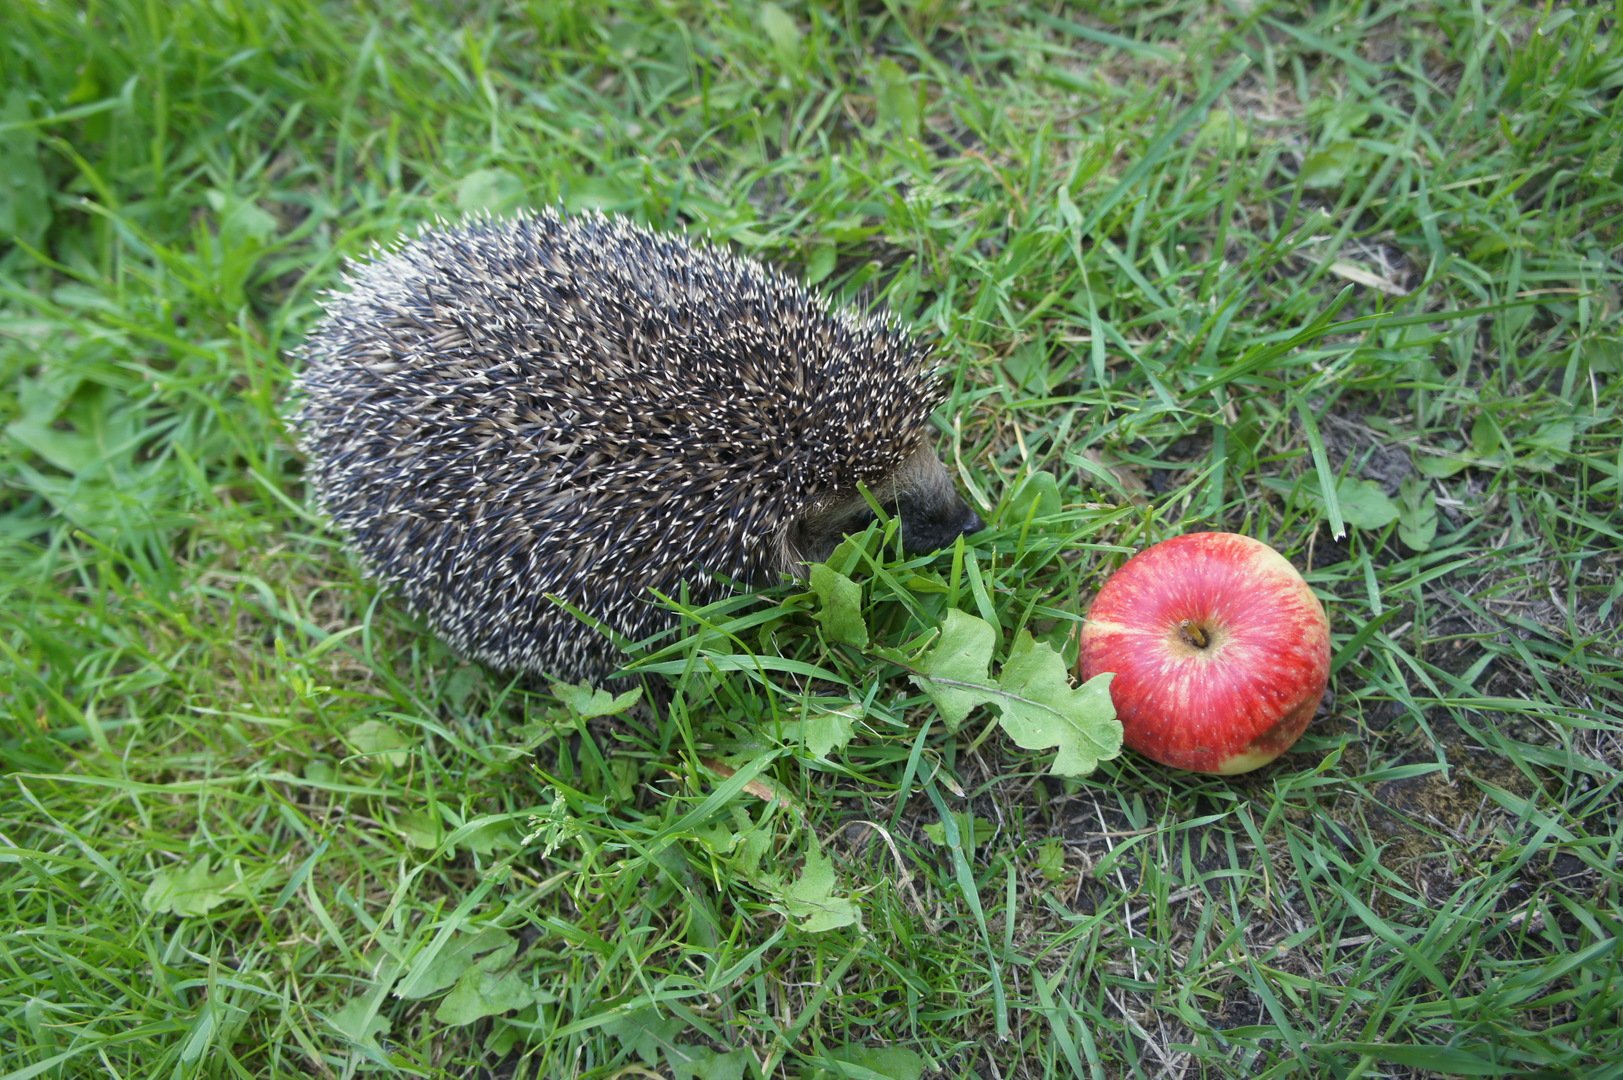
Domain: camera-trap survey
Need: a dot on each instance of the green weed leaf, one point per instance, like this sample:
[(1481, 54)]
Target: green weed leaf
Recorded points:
[(896, 100), (1548, 446), (1042, 710), (1364, 505), (1417, 515), (1440, 467), (780, 29), (889, 1062), (429, 975), (359, 1022), (494, 190), (489, 988), (955, 672), (194, 890), (375, 739), (1038, 496), (811, 902), (1051, 860), (839, 606), (420, 828), (1331, 166), (828, 730), (485, 836), (821, 263), (645, 1033), (25, 210), (702, 1063), (66, 450), (971, 831), (586, 701), (1038, 707), (242, 224), (1485, 438)]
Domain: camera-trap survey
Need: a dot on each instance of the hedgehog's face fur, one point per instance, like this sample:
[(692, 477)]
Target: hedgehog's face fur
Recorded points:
[(510, 419), (919, 491)]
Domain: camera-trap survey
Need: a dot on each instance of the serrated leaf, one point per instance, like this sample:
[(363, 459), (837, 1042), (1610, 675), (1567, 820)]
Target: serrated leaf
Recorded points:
[(955, 672), (429, 975), (25, 207), (69, 451), (645, 1033), (702, 1063), (811, 903), (1440, 468), (489, 189), (828, 730), (243, 223), (839, 606), (1051, 860), (1549, 444), (1364, 505), (1039, 496), (719, 837), (489, 988), (1040, 709), (889, 1062), (420, 828), (971, 831), (753, 848), (1417, 535), (193, 890), (1331, 166), (1037, 705), (586, 701), (359, 1022), (896, 100), (780, 29), (378, 740), (1417, 520), (821, 263)]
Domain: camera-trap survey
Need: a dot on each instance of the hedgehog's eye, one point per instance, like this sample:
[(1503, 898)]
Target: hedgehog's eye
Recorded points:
[(858, 520), (814, 537)]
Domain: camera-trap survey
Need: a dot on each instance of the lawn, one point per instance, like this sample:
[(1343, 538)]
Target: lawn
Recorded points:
[(1345, 277)]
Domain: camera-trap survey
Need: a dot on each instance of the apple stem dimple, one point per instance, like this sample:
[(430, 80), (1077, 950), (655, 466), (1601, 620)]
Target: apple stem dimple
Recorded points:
[(1193, 634)]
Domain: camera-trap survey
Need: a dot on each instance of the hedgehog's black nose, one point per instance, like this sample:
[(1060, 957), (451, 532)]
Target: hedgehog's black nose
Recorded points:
[(972, 524)]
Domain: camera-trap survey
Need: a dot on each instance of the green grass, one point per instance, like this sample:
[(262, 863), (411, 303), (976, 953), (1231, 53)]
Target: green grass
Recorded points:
[(1345, 278)]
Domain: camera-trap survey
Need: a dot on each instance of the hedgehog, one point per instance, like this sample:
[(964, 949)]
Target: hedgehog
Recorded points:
[(532, 427)]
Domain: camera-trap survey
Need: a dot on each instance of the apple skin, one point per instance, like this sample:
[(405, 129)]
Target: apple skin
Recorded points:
[(1220, 649)]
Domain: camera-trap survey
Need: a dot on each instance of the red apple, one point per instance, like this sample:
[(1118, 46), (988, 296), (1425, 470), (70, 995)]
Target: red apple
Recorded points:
[(1221, 652)]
